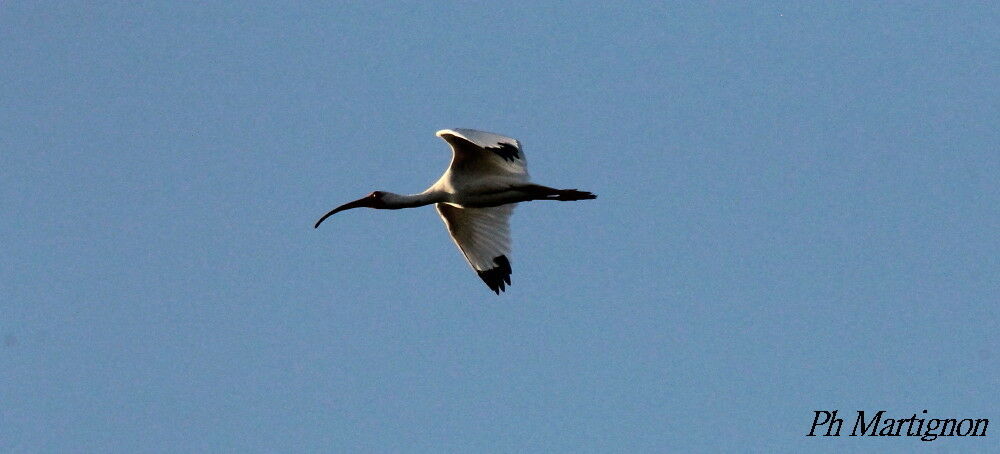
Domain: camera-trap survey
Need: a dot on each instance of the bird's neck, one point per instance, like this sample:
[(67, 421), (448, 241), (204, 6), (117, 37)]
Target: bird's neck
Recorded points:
[(396, 201)]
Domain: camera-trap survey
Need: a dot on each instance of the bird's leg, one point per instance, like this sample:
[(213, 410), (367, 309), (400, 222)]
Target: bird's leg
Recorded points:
[(539, 192)]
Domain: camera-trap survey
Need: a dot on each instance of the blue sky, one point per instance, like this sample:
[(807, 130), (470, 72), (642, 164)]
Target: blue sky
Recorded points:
[(798, 211)]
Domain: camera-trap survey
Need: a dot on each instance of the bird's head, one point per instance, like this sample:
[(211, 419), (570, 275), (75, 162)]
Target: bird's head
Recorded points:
[(374, 200)]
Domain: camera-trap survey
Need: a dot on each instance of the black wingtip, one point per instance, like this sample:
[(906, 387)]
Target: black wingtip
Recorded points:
[(506, 151), (496, 277)]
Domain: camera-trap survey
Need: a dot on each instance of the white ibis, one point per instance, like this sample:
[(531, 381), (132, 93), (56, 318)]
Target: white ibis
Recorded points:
[(475, 197)]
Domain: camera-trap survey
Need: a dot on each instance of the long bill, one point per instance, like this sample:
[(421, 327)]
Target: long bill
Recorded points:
[(362, 202)]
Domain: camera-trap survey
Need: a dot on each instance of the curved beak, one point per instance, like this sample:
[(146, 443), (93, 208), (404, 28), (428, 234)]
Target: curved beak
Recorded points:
[(365, 201)]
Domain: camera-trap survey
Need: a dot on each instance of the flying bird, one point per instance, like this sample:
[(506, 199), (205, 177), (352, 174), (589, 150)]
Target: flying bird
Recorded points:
[(475, 197)]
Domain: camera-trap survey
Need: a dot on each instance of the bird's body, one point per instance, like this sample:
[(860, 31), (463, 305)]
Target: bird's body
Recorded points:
[(475, 197)]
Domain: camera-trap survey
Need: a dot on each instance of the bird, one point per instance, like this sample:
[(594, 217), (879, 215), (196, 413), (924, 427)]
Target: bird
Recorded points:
[(475, 197)]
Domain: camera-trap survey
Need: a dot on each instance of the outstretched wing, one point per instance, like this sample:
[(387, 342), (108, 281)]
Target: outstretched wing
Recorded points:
[(483, 235), (484, 158)]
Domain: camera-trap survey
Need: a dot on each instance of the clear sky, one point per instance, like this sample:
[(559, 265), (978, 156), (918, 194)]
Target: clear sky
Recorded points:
[(798, 210)]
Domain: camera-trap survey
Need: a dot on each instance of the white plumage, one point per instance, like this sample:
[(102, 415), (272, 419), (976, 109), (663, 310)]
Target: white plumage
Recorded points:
[(475, 197), (483, 236)]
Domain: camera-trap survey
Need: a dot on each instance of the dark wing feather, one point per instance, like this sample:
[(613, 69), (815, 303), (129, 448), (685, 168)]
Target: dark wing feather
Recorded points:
[(483, 236)]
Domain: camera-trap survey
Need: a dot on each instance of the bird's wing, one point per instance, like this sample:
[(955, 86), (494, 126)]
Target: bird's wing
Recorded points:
[(483, 235), (485, 157)]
